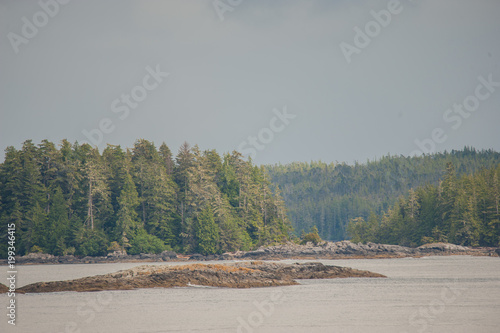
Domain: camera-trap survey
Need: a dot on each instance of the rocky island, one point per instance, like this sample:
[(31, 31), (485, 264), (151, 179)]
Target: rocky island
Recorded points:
[(232, 275)]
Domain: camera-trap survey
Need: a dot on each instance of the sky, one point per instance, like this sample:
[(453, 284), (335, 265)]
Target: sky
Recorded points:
[(280, 81)]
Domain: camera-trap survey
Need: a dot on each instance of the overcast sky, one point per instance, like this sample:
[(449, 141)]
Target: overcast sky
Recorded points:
[(281, 80)]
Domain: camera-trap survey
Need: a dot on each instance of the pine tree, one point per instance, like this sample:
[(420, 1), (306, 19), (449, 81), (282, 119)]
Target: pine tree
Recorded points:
[(166, 156), (449, 205), (32, 189), (468, 230), (207, 232), (118, 166), (157, 192), (34, 232), (184, 161), (97, 186), (49, 164), (127, 215), (11, 183), (58, 223)]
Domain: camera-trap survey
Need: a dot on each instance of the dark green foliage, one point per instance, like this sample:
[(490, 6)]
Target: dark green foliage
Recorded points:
[(207, 232), (363, 231), (32, 232), (462, 210), (142, 242), (127, 220), (312, 237), (77, 201), (329, 195), (91, 243), (57, 224)]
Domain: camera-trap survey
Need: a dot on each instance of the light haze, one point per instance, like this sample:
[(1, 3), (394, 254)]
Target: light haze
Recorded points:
[(227, 76)]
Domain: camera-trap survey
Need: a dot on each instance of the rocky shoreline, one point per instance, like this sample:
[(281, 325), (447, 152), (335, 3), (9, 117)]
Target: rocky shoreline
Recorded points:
[(349, 250), (248, 274), (326, 250)]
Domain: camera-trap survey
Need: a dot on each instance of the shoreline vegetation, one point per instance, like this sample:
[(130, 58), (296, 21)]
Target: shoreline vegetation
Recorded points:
[(76, 200), (248, 274), (451, 197), (74, 204), (289, 250)]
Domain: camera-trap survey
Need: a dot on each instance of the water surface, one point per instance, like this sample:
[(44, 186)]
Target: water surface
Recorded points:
[(430, 294)]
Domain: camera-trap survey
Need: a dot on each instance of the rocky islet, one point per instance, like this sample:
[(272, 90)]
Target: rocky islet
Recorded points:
[(245, 274)]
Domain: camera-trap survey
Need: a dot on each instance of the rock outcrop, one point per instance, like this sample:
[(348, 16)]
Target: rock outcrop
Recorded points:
[(347, 249), (443, 247), (236, 275), (325, 250), (117, 256)]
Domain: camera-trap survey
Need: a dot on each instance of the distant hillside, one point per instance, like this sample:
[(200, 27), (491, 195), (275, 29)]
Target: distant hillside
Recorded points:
[(462, 210), (329, 195)]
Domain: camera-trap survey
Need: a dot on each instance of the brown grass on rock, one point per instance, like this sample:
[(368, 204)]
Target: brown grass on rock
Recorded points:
[(236, 275)]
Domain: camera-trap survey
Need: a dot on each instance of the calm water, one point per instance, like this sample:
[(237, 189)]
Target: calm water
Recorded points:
[(433, 294)]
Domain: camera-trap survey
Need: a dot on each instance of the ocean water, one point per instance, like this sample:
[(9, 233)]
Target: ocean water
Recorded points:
[(430, 294)]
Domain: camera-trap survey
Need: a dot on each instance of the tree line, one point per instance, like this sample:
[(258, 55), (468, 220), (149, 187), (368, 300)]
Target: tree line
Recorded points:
[(462, 210), (72, 199), (329, 195)]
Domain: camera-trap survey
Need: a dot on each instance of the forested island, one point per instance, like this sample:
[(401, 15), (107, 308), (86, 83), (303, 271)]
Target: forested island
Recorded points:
[(74, 200)]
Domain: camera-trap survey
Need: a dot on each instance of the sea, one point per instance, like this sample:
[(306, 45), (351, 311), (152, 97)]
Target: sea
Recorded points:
[(429, 294)]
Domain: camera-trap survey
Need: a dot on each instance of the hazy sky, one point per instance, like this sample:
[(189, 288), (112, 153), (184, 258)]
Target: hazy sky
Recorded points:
[(287, 80)]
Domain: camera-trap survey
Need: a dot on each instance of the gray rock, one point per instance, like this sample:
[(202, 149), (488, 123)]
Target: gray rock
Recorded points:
[(197, 256), (168, 255)]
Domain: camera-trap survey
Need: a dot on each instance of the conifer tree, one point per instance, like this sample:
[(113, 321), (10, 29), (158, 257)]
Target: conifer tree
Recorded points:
[(167, 160), (207, 232), (57, 223), (127, 215), (96, 185)]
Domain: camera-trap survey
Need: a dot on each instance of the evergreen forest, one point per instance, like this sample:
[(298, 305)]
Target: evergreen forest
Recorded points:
[(72, 199), (329, 195), (462, 210)]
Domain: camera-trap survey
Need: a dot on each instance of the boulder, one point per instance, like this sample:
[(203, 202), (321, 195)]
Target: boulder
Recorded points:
[(148, 256), (197, 256), (168, 255), (68, 259)]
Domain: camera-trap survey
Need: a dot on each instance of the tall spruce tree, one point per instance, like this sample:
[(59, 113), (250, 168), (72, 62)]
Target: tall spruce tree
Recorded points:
[(127, 217), (57, 223), (207, 232)]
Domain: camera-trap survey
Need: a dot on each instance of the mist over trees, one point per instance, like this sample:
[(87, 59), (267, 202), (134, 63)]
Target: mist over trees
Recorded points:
[(72, 199), (329, 195)]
